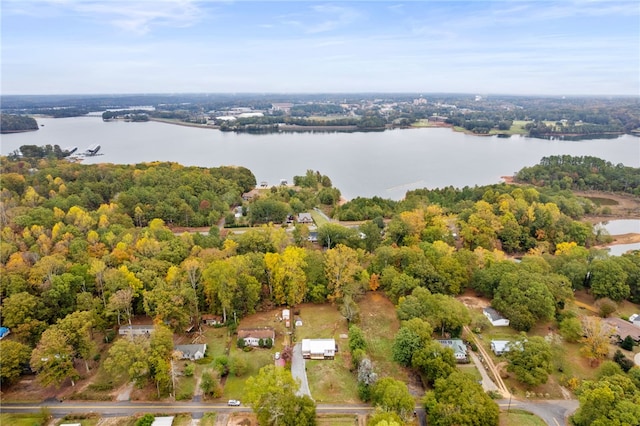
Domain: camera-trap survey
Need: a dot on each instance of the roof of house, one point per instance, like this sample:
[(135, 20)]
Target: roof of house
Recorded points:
[(258, 333), (457, 345), (162, 421), (500, 345), (189, 350), (623, 328), (305, 217), (634, 317), (493, 314), (318, 345)]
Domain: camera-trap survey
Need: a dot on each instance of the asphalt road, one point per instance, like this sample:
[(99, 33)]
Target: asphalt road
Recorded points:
[(553, 412)]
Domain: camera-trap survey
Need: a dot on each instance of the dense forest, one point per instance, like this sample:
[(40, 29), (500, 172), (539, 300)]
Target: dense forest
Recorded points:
[(11, 123), (85, 248), (582, 173)]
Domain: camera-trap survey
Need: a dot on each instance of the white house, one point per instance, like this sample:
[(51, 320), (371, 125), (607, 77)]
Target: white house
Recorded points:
[(459, 348), (319, 348), (192, 352), (252, 336), (500, 346), (162, 421), (635, 319), (495, 317)]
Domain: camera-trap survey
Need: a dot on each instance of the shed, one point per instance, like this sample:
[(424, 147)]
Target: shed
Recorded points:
[(495, 317), (319, 348), (210, 319), (635, 319), (298, 322)]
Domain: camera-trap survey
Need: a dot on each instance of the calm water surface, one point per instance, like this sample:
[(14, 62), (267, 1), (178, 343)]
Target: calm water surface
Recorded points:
[(386, 164)]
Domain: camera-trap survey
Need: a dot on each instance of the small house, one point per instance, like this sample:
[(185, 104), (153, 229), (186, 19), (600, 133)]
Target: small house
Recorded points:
[(305, 218), (495, 317), (253, 336), (319, 348), (136, 330), (210, 319), (192, 352), (298, 322), (3, 332), (500, 347), (620, 329), (635, 319), (459, 349)]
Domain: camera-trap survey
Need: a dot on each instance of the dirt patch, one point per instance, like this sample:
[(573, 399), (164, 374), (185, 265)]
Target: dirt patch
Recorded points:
[(620, 205), (471, 301), (242, 420)]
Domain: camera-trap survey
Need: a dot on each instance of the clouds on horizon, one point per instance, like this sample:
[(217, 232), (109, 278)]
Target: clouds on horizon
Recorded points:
[(559, 47)]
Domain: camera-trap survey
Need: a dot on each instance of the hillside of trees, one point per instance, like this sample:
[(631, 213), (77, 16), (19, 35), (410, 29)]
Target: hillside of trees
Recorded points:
[(11, 123), (85, 248), (582, 173)]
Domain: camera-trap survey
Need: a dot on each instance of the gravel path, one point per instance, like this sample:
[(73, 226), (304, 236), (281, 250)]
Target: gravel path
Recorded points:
[(299, 371)]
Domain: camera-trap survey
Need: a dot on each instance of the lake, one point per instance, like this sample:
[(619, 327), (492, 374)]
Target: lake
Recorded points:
[(366, 164)]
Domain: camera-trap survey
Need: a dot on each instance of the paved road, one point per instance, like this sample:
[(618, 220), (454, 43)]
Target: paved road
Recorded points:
[(299, 371), (553, 412)]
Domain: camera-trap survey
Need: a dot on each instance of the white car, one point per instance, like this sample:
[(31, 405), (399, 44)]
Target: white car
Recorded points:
[(277, 355), (233, 403)]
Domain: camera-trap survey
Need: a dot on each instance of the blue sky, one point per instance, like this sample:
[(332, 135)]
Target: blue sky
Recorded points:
[(171, 46)]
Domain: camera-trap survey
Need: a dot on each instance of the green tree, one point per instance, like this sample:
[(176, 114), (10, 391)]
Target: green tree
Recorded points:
[(571, 329), (530, 360), (272, 396), (524, 298), (129, 359), (434, 361), (78, 329), (393, 396), (459, 400), (13, 357), (608, 279), (412, 336), (52, 359), (611, 400)]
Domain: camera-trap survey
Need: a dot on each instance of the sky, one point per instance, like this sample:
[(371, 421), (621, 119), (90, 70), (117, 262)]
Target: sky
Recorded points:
[(188, 46)]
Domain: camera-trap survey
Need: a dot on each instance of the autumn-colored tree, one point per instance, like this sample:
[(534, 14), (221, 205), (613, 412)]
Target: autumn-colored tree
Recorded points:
[(341, 266), (596, 339)]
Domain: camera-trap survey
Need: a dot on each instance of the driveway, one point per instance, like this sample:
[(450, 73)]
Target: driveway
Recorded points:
[(299, 371)]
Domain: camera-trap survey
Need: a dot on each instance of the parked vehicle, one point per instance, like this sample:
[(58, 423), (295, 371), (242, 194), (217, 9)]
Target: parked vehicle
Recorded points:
[(233, 403)]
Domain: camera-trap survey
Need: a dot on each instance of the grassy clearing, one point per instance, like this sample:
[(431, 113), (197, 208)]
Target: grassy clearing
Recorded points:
[(21, 419), (332, 380), (471, 370), (209, 419), (336, 420), (255, 360), (520, 418), (182, 420), (380, 324)]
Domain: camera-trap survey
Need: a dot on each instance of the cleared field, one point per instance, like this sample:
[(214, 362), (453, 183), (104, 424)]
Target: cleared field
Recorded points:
[(380, 324)]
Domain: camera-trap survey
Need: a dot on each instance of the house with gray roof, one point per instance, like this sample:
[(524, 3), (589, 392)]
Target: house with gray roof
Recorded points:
[(495, 317), (192, 352)]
